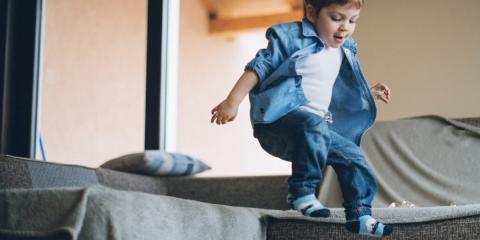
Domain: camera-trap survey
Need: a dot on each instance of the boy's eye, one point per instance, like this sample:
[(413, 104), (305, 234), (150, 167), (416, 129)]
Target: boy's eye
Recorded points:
[(336, 19)]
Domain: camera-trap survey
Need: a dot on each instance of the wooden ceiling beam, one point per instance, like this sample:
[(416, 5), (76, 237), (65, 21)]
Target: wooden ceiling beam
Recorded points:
[(231, 26)]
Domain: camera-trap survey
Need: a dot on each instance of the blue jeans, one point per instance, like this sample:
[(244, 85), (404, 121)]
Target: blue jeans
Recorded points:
[(305, 139)]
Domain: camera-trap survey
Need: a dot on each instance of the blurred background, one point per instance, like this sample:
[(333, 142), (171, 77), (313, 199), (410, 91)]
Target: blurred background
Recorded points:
[(94, 56)]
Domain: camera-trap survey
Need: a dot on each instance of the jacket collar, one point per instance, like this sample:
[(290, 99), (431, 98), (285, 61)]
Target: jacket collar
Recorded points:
[(308, 29)]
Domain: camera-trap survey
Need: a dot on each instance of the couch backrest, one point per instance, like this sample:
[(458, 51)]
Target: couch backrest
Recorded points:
[(16, 172)]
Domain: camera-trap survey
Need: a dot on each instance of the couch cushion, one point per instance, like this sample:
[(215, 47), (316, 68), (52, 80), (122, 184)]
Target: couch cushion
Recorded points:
[(443, 222), (292, 229)]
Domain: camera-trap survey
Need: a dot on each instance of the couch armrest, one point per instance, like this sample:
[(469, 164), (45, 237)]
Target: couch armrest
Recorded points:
[(257, 192)]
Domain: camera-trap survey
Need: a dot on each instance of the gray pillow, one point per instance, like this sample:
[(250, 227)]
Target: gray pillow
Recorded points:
[(157, 163)]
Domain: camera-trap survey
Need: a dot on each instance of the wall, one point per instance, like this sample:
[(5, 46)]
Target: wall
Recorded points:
[(93, 89), (426, 51)]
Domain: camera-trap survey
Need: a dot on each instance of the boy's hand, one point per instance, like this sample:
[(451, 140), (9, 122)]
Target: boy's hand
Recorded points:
[(224, 112), (381, 91)]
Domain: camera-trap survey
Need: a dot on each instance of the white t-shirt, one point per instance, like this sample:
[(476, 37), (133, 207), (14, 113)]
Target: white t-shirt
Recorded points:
[(319, 72)]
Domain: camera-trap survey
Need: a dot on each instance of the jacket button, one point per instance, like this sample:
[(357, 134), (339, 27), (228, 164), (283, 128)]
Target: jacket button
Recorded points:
[(262, 110)]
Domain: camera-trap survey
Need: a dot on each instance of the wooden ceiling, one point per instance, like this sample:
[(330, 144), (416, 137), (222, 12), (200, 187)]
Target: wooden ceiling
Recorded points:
[(229, 17)]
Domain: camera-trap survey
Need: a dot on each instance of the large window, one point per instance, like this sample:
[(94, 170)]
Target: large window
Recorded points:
[(91, 90)]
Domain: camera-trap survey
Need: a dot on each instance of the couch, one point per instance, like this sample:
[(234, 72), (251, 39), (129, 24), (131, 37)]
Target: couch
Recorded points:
[(258, 192)]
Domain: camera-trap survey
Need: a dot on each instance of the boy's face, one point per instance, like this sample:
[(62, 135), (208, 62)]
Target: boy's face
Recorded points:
[(335, 23)]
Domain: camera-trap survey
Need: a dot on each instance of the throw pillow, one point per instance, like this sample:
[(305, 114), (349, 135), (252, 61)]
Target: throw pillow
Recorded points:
[(157, 163)]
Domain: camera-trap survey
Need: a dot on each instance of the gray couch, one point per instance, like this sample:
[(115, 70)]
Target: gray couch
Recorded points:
[(266, 192)]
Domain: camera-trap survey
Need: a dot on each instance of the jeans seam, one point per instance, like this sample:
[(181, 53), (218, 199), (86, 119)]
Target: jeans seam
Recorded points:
[(342, 155)]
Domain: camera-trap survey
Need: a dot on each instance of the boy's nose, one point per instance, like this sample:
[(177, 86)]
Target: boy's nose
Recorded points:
[(344, 27)]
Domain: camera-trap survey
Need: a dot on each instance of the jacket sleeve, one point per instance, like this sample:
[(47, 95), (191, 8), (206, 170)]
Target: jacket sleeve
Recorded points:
[(268, 59)]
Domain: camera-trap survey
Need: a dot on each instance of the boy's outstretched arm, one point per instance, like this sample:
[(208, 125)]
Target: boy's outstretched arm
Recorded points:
[(227, 110)]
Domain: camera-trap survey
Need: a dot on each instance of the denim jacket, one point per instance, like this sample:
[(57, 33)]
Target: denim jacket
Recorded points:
[(279, 89)]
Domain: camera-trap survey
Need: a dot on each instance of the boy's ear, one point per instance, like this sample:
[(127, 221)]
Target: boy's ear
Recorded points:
[(311, 13)]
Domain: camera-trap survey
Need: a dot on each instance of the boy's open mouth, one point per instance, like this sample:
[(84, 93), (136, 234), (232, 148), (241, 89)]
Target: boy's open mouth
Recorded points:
[(339, 38)]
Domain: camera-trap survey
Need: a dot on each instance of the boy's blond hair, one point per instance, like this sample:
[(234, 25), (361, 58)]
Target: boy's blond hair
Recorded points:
[(319, 4)]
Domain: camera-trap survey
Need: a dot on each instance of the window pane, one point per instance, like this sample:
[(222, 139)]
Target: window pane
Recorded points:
[(93, 86)]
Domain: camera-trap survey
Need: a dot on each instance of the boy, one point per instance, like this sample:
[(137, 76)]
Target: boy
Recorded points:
[(310, 105)]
